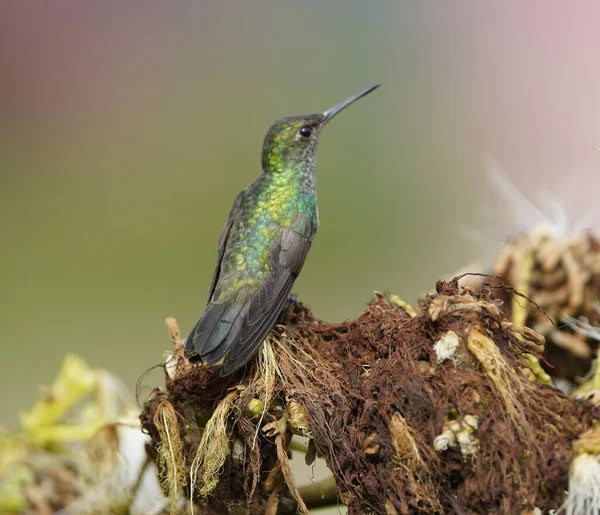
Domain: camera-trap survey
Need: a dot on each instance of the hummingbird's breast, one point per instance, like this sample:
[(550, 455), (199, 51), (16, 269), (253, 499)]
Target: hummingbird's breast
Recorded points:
[(271, 204)]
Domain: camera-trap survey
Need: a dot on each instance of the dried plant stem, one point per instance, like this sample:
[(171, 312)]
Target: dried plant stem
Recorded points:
[(280, 441)]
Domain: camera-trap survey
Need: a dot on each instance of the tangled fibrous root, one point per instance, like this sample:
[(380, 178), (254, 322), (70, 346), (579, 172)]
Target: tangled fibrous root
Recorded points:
[(414, 413), (561, 275)]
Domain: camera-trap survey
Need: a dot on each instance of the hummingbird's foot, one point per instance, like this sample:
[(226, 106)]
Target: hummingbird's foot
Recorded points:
[(293, 304), (291, 308)]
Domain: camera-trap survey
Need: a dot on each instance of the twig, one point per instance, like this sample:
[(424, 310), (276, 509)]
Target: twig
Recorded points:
[(138, 480), (298, 446), (320, 494), (175, 335)]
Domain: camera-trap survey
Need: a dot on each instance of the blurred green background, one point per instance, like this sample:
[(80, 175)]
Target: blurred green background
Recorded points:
[(126, 129)]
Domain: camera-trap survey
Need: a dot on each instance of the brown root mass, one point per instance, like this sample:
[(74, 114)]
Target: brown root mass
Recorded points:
[(403, 426)]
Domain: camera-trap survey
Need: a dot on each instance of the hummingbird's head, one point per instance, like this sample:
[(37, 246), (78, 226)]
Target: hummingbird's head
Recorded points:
[(291, 142)]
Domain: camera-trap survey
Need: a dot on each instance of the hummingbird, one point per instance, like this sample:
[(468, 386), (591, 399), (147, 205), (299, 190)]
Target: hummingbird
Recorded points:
[(263, 245)]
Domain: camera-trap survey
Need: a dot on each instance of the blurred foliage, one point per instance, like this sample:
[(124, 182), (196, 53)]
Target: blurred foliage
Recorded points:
[(72, 446)]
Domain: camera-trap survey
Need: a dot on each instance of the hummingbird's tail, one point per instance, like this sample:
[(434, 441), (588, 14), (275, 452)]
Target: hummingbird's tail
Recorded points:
[(205, 342), (239, 328), (224, 329)]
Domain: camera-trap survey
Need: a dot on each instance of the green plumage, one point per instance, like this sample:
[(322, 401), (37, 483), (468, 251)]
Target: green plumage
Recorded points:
[(263, 245)]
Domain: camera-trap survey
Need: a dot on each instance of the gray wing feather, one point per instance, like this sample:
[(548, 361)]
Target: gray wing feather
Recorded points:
[(264, 307)]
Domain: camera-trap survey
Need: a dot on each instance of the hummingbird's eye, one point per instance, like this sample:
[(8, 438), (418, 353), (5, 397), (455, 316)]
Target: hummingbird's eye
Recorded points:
[(306, 131)]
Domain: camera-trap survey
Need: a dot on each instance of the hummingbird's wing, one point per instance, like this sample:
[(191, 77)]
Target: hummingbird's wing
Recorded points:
[(264, 307), (222, 242), (240, 325)]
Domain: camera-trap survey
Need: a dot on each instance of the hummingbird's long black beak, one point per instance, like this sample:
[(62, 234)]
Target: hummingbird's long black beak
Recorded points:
[(332, 111)]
